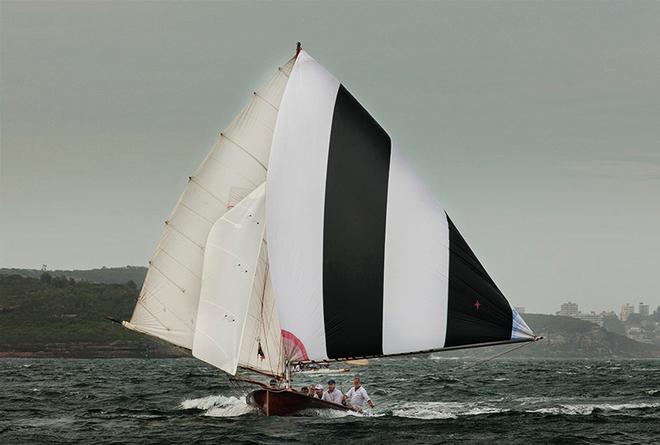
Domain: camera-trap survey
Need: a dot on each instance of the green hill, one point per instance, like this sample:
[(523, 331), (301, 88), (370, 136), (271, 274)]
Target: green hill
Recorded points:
[(56, 316), (567, 337), (61, 317), (571, 337), (108, 275)]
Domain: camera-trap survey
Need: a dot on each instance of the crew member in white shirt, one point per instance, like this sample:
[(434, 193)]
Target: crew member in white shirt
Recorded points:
[(318, 391), (333, 394), (357, 395)]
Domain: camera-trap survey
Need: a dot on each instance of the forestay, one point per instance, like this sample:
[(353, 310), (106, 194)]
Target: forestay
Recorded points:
[(364, 260), (236, 165)]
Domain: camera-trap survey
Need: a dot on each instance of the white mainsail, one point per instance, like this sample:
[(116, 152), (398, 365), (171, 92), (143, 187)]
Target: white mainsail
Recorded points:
[(236, 165), (231, 258)]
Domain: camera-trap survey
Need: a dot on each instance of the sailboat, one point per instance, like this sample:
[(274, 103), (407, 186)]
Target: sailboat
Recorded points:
[(306, 237)]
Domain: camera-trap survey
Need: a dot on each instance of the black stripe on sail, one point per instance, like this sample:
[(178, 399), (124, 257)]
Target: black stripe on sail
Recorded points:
[(354, 231), (477, 310)]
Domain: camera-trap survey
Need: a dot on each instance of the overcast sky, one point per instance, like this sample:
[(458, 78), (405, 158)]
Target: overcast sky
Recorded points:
[(536, 124)]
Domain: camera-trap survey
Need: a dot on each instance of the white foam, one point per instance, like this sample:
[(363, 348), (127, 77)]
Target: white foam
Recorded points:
[(442, 410), (219, 406), (588, 408), (333, 413), (442, 357)]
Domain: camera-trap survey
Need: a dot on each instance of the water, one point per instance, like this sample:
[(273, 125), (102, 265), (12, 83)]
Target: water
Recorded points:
[(418, 401)]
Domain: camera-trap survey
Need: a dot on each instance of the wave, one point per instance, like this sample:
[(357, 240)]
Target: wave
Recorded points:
[(589, 408), (229, 406), (219, 406), (454, 410), (333, 413), (443, 357), (443, 410)]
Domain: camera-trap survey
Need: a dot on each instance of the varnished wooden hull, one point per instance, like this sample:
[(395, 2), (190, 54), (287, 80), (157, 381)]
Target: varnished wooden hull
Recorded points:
[(286, 403)]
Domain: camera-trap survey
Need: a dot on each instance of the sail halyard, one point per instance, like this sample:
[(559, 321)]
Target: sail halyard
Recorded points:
[(235, 166)]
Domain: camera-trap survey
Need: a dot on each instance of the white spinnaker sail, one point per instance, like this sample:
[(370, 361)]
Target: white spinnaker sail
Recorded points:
[(231, 258), (236, 165), (261, 345)]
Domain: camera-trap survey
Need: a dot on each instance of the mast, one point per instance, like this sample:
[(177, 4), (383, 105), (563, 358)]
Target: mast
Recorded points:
[(288, 377)]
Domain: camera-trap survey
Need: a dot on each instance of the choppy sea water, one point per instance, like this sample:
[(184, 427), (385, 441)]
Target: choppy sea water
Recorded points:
[(432, 399)]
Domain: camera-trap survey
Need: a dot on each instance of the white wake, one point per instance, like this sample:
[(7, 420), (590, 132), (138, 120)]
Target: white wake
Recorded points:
[(219, 406)]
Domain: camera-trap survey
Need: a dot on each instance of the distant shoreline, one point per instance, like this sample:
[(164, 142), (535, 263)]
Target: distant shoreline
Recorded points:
[(47, 316), (30, 356)]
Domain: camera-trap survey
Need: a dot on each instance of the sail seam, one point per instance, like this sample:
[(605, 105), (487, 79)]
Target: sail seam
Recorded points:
[(179, 262), (184, 205), (141, 303), (282, 71), (183, 290), (244, 149), (213, 158), (173, 314), (169, 224), (194, 180), (264, 99)]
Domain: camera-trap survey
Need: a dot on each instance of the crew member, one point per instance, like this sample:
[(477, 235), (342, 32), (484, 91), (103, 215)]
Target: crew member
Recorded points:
[(357, 395), (333, 394), (318, 391)]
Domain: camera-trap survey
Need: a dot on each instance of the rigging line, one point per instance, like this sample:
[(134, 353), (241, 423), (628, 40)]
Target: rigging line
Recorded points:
[(151, 264), (175, 229), (256, 327), (263, 321), (194, 180), (178, 262), (222, 135), (234, 171), (195, 212), (152, 294), (493, 357), (256, 93), (281, 356)]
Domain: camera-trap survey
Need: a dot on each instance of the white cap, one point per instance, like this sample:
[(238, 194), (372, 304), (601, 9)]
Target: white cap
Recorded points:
[(318, 387)]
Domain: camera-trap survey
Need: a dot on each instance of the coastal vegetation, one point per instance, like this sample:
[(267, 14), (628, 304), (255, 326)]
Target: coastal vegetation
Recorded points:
[(49, 315), (59, 316)]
